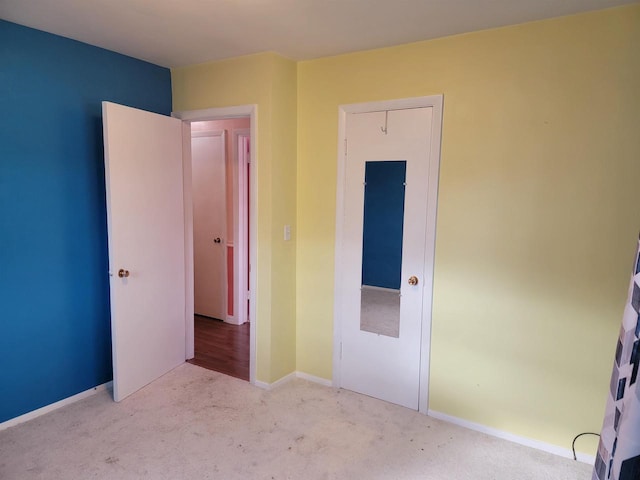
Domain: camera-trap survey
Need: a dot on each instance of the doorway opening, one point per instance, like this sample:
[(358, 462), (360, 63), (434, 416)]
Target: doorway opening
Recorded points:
[(220, 229), (219, 173)]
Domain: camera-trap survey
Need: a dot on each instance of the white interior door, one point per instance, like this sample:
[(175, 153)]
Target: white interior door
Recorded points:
[(209, 223), (145, 218), (384, 361)]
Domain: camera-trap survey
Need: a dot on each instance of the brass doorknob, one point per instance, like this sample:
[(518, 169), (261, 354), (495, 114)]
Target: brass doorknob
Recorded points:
[(413, 280), (122, 273)]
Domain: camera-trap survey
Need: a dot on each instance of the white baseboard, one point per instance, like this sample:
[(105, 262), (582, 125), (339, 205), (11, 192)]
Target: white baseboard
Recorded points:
[(527, 442), (262, 385), (54, 406), (314, 379), (291, 376), (277, 383)]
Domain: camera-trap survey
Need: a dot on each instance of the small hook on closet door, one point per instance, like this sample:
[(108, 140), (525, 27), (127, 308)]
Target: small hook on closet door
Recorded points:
[(386, 122)]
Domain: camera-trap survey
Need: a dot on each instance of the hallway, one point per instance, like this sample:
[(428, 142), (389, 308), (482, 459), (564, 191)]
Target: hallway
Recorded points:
[(222, 347)]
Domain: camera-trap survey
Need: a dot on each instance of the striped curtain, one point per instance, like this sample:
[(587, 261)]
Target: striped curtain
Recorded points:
[(618, 456)]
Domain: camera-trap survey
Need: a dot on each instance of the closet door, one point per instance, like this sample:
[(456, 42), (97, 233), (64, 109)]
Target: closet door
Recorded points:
[(385, 203)]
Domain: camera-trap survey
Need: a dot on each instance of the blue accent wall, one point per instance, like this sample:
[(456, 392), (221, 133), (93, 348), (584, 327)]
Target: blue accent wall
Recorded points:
[(55, 336), (383, 223)]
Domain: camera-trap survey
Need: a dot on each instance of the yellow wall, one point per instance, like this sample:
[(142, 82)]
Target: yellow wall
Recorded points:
[(537, 214), (283, 179), (269, 81)]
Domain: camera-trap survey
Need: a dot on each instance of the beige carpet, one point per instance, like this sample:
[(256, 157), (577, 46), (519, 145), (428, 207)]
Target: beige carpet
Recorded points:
[(197, 424)]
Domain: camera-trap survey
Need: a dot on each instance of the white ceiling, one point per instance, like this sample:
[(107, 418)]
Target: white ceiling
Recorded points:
[(183, 32)]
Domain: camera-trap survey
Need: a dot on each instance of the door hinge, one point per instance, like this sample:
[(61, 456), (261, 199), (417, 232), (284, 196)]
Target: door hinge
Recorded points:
[(345, 147), (340, 350)]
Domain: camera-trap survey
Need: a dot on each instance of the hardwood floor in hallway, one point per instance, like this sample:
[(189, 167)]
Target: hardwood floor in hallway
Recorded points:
[(222, 347)]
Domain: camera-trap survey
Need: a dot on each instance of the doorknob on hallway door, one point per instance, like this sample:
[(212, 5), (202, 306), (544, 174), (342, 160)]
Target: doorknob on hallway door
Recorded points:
[(413, 280), (217, 240), (122, 273)]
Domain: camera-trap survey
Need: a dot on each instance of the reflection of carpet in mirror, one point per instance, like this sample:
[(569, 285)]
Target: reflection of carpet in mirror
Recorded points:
[(380, 311)]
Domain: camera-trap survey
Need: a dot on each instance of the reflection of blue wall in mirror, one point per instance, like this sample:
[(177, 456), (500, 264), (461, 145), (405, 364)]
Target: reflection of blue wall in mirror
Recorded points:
[(383, 220)]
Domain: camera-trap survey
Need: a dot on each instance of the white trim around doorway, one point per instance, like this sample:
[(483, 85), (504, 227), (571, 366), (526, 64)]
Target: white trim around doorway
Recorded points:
[(224, 113), (436, 102), (241, 161)]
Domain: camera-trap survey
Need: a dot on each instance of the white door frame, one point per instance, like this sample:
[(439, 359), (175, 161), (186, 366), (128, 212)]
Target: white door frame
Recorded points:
[(224, 113), (436, 102), (240, 228)]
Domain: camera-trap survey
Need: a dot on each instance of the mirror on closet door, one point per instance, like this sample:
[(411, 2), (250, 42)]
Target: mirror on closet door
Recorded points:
[(384, 189)]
